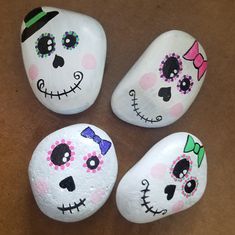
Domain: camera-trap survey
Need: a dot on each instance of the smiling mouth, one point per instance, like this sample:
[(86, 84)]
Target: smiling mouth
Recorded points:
[(136, 109), (146, 203), (41, 84), (70, 208)]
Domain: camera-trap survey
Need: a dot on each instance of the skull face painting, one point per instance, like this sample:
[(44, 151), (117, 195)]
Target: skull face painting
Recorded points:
[(163, 83), (72, 172), (64, 55), (171, 177)]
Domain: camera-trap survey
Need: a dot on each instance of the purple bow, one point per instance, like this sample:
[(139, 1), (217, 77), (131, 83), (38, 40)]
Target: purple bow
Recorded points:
[(103, 144)]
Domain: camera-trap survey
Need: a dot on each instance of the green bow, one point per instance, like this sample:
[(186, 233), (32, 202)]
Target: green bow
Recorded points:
[(196, 148)]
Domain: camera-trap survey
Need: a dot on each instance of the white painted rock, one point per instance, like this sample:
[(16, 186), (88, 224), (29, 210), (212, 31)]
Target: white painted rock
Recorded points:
[(64, 56), (171, 177), (72, 172), (163, 83)]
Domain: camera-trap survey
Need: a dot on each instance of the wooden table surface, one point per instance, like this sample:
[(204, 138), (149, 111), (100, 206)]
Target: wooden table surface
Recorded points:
[(130, 26)]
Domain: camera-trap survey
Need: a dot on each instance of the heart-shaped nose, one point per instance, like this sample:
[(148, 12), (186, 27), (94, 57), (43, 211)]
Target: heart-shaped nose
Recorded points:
[(165, 93), (170, 191), (58, 61), (68, 183)]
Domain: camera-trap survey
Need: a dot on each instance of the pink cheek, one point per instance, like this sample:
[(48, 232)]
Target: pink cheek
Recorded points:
[(41, 187), (33, 72), (158, 171), (89, 61), (97, 196), (178, 206), (176, 110), (147, 81)]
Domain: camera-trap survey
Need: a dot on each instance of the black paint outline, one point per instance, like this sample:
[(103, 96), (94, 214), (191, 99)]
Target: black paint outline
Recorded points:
[(132, 93), (70, 208), (41, 84), (145, 202)]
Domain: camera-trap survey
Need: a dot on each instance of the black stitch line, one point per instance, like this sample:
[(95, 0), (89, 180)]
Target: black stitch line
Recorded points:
[(70, 208), (145, 202), (132, 93), (40, 85)]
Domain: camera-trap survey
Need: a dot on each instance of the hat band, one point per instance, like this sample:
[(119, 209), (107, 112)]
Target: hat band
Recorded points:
[(35, 19)]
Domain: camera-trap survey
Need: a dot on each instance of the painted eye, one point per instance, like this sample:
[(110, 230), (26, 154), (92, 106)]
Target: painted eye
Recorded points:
[(61, 154), (170, 67), (185, 84), (45, 45), (181, 167), (70, 40), (93, 162), (190, 187)]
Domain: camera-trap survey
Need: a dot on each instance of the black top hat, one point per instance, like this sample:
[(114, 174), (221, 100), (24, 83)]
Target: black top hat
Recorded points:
[(35, 20)]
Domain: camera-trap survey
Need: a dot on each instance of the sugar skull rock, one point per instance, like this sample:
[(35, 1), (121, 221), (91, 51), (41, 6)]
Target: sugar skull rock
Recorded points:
[(72, 172), (171, 177), (64, 56), (163, 83)]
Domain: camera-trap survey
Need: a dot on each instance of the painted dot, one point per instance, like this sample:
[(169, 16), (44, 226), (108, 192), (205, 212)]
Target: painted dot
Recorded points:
[(88, 61), (66, 154), (33, 72), (158, 171), (177, 110), (147, 81)]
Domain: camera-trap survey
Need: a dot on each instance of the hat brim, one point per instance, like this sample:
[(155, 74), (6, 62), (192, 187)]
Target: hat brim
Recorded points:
[(38, 25)]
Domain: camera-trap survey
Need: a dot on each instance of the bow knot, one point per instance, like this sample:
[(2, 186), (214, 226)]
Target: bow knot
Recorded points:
[(198, 149), (103, 144), (198, 60)]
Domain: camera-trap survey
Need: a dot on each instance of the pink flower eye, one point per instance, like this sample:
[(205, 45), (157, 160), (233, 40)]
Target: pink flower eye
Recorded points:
[(93, 162), (185, 84), (181, 168), (190, 187), (61, 154), (170, 67)]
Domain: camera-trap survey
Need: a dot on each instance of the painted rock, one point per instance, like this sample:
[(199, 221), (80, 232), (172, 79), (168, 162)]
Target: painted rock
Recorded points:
[(72, 172), (163, 83), (64, 56), (171, 177)]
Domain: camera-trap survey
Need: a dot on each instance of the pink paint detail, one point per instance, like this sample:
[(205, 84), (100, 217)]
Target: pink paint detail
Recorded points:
[(57, 142), (48, 158), (84, 165), (147, 81), (94, 153), (69, 142), (62, 167), (85, 158), (33, 72), (87, 170), (56, 167), (93, 171), (52, 146), (99, 168), (49, 152), (51, 164), (72, 158), (89, 154), (177, 110), (158, 170), (97, 196), (89, 61), (178, 206), (194, 55), (41, 187), (62, 141), (67, 164)]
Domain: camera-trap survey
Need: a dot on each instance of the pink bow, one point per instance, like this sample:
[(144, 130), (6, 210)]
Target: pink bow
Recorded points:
[(198, 60)]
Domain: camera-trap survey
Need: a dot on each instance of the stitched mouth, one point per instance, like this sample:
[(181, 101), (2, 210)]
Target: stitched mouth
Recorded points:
[(146, 203), (73, 207), (136, 109), (41, 84)]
